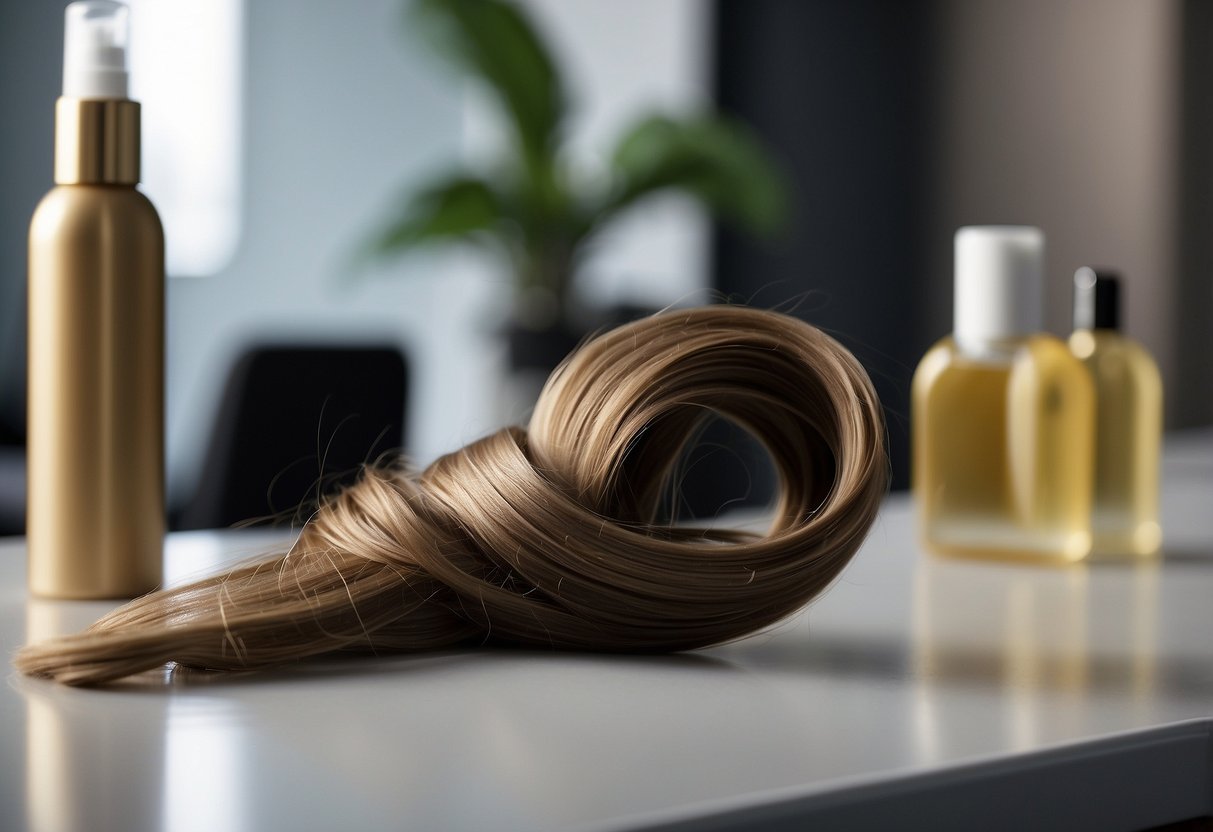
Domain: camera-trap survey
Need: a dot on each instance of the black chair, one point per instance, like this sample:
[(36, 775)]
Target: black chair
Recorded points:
[(296, 422), (12, 489)]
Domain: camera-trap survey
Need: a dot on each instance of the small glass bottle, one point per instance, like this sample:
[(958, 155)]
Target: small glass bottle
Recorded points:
[(1128, 430), (1002, 415)]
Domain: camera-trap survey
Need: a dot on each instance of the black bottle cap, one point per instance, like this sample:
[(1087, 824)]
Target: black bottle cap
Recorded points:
[(1096, 299)]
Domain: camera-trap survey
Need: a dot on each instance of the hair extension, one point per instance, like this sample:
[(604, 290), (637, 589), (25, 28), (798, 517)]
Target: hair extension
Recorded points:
[(551, 536)]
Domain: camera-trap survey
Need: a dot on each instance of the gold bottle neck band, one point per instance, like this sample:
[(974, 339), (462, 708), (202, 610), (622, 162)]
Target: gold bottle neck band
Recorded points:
[(96, 142)]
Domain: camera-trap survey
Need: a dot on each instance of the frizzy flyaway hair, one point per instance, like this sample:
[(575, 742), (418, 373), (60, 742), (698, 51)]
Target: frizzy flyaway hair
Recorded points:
[(552, 536)]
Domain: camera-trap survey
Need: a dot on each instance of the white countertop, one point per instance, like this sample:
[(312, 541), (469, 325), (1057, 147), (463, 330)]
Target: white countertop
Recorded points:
[(1061, 697)]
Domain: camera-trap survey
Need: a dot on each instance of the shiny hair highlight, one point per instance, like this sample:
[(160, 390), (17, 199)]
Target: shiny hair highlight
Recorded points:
[(552, 536)]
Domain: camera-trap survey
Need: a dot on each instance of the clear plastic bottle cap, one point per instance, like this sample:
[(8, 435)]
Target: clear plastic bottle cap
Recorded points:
[(999, 281), (95, 39)]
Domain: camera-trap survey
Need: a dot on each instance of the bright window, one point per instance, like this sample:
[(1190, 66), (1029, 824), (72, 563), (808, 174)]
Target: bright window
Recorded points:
[(187, 67)]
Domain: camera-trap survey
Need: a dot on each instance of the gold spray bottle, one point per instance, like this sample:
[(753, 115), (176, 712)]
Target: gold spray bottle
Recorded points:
[(1128, 432), (95, 519), (1002, 415)]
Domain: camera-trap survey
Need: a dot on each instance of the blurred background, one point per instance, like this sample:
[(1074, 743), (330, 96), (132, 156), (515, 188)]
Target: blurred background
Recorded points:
[(283, 135)]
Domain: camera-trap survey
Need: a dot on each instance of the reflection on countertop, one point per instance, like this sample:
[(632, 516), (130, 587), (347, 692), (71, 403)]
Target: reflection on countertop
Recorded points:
[(909, 664)]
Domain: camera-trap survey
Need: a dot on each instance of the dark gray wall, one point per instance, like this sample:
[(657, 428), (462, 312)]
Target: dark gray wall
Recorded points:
[(840, 92), (899, 121), (30, 33), (1193, 310)]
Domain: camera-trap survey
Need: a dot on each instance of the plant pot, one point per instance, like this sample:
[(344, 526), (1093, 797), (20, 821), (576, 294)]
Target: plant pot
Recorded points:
[(530, 349)]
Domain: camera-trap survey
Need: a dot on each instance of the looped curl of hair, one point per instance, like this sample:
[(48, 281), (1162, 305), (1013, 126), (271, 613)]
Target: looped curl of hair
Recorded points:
[(557, 535)]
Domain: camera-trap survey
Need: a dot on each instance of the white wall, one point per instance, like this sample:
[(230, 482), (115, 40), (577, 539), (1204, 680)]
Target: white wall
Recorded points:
[(340, 114), (624, 60), (343, 113)]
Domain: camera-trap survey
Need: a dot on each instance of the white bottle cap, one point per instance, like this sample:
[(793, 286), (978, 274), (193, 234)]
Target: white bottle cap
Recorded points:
[(95, 40), (999, 279)]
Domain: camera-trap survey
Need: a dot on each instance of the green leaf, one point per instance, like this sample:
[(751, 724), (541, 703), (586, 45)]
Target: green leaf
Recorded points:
[(496, 42), (712, 159), (457, 208)]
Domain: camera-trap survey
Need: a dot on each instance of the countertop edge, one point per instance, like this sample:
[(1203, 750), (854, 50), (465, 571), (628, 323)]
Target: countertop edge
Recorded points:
[(1130, 780)]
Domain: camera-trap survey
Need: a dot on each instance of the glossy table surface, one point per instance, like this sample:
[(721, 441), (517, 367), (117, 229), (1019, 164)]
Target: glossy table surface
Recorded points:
[(909, 676)]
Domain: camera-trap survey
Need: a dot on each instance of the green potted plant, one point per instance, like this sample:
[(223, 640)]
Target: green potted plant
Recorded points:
[(528, 210)]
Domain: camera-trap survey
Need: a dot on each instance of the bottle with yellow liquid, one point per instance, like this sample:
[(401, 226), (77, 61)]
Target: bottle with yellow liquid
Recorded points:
[(1128, 429), (1002, 415)]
